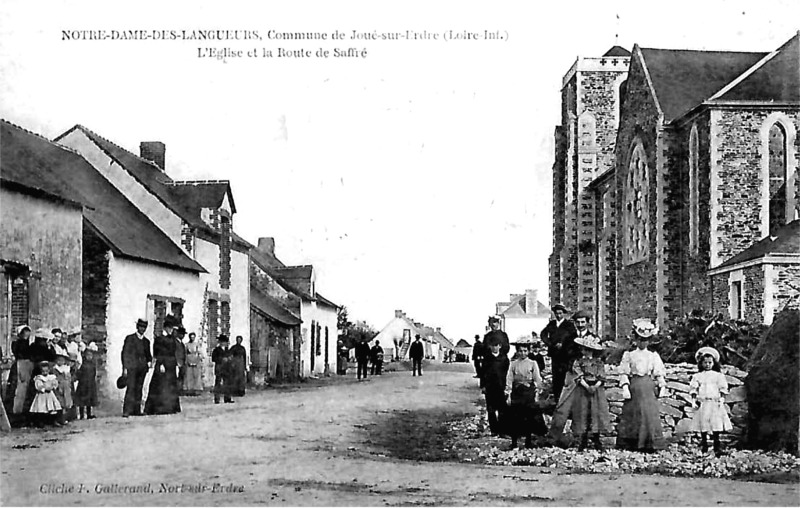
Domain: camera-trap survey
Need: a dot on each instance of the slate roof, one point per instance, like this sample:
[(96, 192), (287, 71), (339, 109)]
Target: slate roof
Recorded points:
[(34, 161), (684, 79), (517, 307), (272, 308), (442, 340), (785, 241), (775, 79), (195, 195), (617, 51), (463, 343), (325, 301), (300, 272)]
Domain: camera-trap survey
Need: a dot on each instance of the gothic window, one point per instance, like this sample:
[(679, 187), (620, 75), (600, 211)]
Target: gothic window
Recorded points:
[(694, 192), (636, 200), (587, 125), (777, 177)]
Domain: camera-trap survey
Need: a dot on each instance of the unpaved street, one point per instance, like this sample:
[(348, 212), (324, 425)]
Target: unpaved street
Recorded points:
[(378, 442)]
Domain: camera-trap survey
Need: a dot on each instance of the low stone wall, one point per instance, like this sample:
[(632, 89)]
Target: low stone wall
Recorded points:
[(676, 407)]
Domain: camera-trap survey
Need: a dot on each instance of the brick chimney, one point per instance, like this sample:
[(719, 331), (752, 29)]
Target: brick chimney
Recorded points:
[(398, 314), (438, 329), (531, 301), (154, 151), (267, 244)]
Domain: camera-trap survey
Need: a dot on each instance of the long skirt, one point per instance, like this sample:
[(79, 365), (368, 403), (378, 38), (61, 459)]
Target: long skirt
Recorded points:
[(563, 410), (64, 390), (239, 377), (162, 397), (523, 416), (192, 379), (21, 390), (711, 417), (639, 426), (590, 413)]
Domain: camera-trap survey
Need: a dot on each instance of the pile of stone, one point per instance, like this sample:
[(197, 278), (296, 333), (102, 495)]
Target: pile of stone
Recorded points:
[(676, 407)]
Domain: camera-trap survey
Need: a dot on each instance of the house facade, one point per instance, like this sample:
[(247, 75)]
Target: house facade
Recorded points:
[(398, 334), (704, 169), (197, 216), (522, 314), (294, 289)]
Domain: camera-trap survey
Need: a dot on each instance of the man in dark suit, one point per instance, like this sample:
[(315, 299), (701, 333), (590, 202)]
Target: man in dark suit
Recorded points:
[(180, 356), (493, 382), (362, 357), (477, 355), (136, 359), (417, 353), (497, 335), (559, 337), (223, 370)]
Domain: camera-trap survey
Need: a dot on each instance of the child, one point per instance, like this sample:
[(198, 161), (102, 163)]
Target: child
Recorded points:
[(86, 392), (63, 372), (708, 389), (641, 372), (45, 401), (590, 412)]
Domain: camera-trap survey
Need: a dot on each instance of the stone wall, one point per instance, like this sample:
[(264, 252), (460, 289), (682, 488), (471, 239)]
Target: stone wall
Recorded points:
[(676, 407)]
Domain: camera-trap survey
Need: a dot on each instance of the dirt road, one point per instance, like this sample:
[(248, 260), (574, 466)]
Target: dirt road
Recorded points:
[(379, 442)]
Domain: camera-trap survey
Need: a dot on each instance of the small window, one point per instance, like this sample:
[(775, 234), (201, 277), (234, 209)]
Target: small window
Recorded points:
[(777, 177), (694, 192), (737, 300)]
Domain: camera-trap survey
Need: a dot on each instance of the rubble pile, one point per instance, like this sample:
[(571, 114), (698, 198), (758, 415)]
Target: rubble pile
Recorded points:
[(677, 460)]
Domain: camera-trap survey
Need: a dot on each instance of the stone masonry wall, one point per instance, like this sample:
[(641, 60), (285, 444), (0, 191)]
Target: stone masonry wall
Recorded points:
[(736, 135), (753, 287), (785, 286), (639, 118)]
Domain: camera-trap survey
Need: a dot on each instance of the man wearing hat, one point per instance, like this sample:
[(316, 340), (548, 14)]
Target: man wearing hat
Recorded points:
[(417, 353), (496, 335), (180, 356), (477, 355), (221, 356), (362, 357), (136, 360), (559, 337)]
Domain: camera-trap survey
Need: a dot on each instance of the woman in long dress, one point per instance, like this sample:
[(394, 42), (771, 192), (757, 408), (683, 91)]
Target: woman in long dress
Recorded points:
[(522, 382), (192, 379), (162, 397), (641, 374), (239, 367)]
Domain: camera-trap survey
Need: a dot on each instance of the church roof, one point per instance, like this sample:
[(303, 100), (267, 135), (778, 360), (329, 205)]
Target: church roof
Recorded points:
[(782, 243), (34, 161), (775, 78), (683, 79), (617, 51)]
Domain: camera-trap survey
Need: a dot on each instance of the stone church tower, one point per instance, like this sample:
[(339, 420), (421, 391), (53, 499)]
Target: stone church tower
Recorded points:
[(584, 151)]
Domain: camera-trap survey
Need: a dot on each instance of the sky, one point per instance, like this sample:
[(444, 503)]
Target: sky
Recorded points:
[(417, 178)]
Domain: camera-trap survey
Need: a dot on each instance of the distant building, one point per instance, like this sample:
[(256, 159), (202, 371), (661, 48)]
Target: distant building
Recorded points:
[(398, 334), (522, 314)]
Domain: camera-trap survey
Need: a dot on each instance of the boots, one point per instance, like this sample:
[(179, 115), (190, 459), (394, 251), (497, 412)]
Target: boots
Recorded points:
[(81, 413), (596, 442), (584, 442), (89, 415), (717, 445), (704, 442)]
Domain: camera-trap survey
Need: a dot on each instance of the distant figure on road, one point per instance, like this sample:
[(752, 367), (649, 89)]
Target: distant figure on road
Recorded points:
[(417, 353), (498, 335), (193, 377), (343, 354), (376, 357), (239, 368), (221, 356), (362, 358), (136, 360), (477, 357), (495, 370), (559, 336), (180, 356)]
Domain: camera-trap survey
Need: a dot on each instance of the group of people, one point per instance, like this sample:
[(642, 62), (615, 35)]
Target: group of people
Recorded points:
[(177, 369), (53, 378), (513, 389), (368, 358)]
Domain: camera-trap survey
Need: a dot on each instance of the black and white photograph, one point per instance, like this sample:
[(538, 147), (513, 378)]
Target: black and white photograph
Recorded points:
[(384, 253)]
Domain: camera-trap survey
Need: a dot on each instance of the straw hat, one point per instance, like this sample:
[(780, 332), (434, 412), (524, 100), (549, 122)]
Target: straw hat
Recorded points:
[(524, 340), (707, 350), (645, 328), (589, 342)]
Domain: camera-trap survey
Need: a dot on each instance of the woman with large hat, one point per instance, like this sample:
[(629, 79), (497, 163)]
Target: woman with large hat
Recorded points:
[(641, 377), (522, 382), (163, 396), (590, 414)]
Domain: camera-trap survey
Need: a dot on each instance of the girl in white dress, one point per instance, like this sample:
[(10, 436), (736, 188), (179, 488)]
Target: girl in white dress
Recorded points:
[(708, 389), (45, 402)]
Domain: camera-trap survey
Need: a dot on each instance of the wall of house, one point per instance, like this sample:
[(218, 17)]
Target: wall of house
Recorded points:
[(391, 332), (240, 296), (47, 237), (639, 118), (785, 282), (130, 283), (324, 316), (737, 183), (136, 193)]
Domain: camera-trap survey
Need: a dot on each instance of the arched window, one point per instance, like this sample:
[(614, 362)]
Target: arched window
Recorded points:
[(636, 207), (694, 192), (777, 177)]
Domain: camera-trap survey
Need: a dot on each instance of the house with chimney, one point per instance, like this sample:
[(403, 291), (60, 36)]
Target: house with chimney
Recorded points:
[(309, 328), (197, 217), (398, 334), (522, 314), (76, 253)]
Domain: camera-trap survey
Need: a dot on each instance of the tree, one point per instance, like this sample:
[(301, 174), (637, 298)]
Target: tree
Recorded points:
[(352, 333)]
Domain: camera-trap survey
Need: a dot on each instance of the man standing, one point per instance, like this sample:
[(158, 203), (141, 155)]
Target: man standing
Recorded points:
[(494, 372), (180, 356), (495, 334), (559, 337), (362, 357), (417, 353), (377, 358), (221, 356), (477, 356), (136, 359)]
